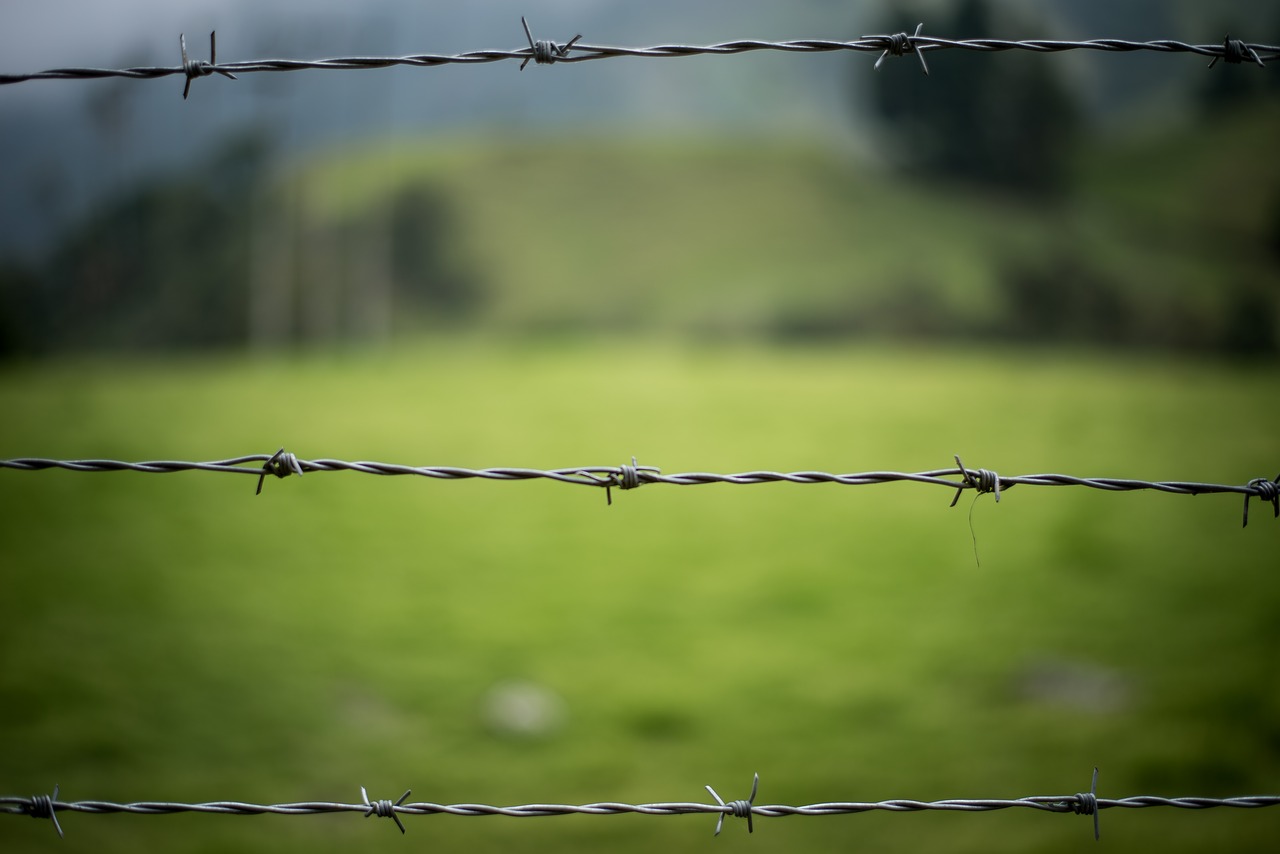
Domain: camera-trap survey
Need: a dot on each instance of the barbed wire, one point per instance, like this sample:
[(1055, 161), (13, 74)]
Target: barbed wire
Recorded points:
[(1083, 803), (546, 52), (282, 464)]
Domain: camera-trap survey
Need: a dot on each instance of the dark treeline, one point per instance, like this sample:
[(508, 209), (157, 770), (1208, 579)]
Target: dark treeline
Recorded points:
[(226, 255)]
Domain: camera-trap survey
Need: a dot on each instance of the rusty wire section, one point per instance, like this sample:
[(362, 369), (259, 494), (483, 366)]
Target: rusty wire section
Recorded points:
[(1083, 803), (546, 52), (283, 464)]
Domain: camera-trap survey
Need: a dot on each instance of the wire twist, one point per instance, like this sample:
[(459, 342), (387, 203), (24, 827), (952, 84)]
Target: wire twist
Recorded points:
[(194, 68), (1267, 490), (981, 480), (1087, 804), (1236, 51), (899, 44), (45, 806), (281, 464), (738, 808), (384, 808), (626, 477), (545, 52)]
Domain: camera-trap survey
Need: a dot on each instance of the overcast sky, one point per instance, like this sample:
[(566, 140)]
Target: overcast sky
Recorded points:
[(86, 136), (76, 138)]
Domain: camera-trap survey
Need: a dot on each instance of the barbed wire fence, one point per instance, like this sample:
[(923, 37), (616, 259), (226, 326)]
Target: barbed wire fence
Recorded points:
[(547, 52), (625, 477), (283, 464), (1083, 803)]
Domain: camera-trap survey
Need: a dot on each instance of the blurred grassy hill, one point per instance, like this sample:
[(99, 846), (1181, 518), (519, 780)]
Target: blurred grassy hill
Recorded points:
[(1166, 241)]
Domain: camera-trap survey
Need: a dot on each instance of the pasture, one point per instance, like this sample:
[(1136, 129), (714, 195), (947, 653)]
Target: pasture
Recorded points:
[(177, 638)]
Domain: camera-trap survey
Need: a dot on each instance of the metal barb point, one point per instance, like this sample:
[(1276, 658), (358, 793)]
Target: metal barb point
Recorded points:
[(1086, 803), (740, 809), (544, 52), (282, 464), (964, 473), (626, 477), (983, 480), (1236, 51), (384, 808), (1267, 490), (43, 806), (194, 68), (899, 43)]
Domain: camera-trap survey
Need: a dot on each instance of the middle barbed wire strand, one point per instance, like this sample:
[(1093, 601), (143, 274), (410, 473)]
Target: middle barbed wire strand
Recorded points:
[(606, 476)]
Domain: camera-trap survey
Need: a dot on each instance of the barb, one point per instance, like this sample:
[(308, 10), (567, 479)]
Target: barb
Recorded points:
[(1087, 804), (194, 68), (545, 52), (981, 480), (1267, 490), (628, 477), (1079, 804), (1231, 50), (43, 806), (1236, 51), (384, 808), (740, 809), (899, 44), (282, 464)]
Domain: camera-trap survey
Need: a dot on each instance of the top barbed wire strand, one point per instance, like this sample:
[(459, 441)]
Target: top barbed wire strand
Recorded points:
[(283, 464), (547, 52)]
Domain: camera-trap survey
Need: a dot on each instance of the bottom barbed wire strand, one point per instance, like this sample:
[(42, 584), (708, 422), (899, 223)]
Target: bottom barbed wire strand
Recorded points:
[(44, 806), (1049, 803)]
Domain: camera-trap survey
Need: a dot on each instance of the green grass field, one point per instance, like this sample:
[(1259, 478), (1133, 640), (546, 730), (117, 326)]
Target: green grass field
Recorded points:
[(176, 638)]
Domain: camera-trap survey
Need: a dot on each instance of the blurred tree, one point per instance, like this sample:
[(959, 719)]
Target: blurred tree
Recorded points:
[(242, 161), (1060, 296), (999, 120), (424, 264), (178, 263), (161, 265), (155, 268), (19, 291), (1250, 328)]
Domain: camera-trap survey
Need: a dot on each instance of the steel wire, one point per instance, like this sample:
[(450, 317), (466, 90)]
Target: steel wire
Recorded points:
[(548, 52), (42, 806), (283, 464)]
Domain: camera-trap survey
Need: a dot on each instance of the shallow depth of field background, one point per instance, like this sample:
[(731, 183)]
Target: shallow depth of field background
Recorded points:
[(646, 258)]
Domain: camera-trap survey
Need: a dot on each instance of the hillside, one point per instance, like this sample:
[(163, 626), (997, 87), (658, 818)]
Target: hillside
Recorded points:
[(1163, 242), (1166, 242)]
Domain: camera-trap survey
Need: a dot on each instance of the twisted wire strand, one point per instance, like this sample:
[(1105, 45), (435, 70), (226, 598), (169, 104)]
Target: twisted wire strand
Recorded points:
[(282, 464), (547, 52), (1043, 803)]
